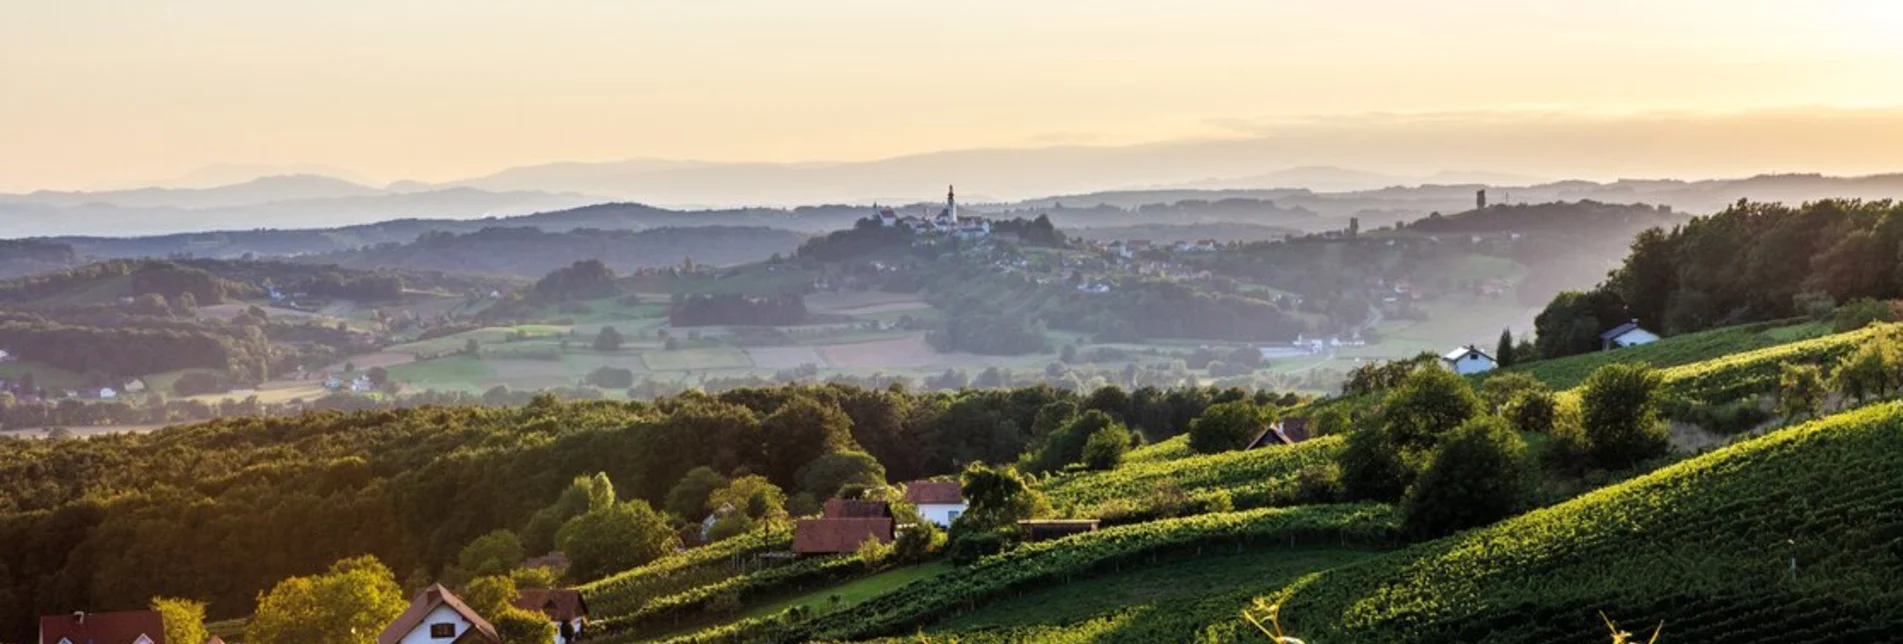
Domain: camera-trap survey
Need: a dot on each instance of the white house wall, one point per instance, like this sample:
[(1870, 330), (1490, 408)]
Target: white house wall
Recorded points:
[(941, 513), (440, 614)]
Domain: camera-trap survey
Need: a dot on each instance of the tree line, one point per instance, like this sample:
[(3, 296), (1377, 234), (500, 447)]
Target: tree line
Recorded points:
[(1750, 262)]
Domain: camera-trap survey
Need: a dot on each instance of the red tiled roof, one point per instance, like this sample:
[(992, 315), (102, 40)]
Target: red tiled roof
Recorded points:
[(436, 595), (933, 492), (821, 536), (558, 604), (123, 627), (849, 509)]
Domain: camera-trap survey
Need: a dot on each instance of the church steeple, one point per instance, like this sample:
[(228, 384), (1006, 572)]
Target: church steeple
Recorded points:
[(951, 202)]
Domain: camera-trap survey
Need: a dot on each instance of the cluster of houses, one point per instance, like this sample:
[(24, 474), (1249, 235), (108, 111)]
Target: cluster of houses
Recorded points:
[(434, 616), (1133, 247), (1470, 359), (948, 221)]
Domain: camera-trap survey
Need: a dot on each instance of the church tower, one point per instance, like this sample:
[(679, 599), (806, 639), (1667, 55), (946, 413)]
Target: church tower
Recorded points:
[(951, 203)]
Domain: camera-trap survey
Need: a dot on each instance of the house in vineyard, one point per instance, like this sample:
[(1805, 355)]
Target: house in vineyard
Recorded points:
[(939, 502), (1625, 335), (438, 616), (124, 627), (845, 525)]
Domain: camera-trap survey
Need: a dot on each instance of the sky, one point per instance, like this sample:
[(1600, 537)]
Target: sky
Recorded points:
[(97, 92)]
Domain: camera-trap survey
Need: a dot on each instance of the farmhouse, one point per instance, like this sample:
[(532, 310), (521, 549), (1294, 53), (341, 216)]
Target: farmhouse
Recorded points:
[(1287, 431), (939, 502), (564, 607), (1468, 360), (124, 627), (1625, 335), (439, 616), (844, 526)]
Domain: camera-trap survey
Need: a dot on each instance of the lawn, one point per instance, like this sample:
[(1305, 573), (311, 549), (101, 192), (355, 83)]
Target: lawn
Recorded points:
[(44, 375), (851, 593), (1168, 601), (457, 372)]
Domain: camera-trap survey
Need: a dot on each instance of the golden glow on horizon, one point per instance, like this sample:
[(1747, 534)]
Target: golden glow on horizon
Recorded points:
[(102, 91)]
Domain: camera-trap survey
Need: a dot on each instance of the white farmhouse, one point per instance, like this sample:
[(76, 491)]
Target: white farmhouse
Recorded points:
[(1468, 360), (438, 616), (1625, 335), (939, 502)]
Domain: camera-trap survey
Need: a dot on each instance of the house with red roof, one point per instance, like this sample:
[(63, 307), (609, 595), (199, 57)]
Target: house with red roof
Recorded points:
[(438, 616), (939, 502), (123, 627), (565, 607), (845, 525)]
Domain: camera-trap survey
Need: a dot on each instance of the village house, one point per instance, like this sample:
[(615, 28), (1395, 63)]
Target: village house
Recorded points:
[(123, 627), (844, 526), (1625, 335), (939, 502), (1287, 431), (438, 616), (1468, 360), (565, 607)]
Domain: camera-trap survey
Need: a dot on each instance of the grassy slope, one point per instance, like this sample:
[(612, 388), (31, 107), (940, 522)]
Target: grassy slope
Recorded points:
[(1704, 545), (1166, 602), (1252, 478), (1565, 373)]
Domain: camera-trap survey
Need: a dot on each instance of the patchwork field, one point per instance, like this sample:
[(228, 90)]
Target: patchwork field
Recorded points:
[(903, 352), (704, 358), (784, 357)]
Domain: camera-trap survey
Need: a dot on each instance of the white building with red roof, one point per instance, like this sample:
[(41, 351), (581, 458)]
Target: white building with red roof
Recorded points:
[(939, 502)]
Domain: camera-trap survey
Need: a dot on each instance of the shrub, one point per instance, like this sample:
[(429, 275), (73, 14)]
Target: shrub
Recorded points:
[(1533, 411), (1372, 468), (968, 546), (1106, 447), (1620, 410), (1477, 476)]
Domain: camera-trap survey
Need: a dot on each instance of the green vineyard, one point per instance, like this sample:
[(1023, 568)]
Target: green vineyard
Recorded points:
[(629, 591), (1249, 478), (1678, 350), (1048, 563), (1793, 537)]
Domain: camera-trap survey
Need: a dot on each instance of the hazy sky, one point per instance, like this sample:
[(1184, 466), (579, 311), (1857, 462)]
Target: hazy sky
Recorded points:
[(96, 92)]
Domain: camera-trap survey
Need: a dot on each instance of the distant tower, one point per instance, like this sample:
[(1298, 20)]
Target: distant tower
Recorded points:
[(951, 203), (1480, 199)]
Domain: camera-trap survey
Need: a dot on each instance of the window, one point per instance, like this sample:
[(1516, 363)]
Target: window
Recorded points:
[(952, 515), (442, 631)]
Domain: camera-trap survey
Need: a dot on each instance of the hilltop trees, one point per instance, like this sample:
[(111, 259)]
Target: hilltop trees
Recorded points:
[(584, 280), (1750, 262)]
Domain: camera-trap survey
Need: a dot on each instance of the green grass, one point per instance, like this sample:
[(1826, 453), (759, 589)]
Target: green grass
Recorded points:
[(751, 281), (458, 372), (45, 376), (705, 358), (162, 382), (853, 592), (1705, 545), (1252, 478), (1163, 602), (1565, 373)]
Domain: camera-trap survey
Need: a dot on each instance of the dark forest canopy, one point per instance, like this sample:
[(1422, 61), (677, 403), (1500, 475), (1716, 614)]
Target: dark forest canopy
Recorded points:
[(1751, 262), (221, 510)]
